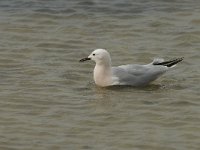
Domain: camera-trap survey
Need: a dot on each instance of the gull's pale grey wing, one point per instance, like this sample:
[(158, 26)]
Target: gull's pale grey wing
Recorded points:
[(121, 77), (138, 74), (134, 69)]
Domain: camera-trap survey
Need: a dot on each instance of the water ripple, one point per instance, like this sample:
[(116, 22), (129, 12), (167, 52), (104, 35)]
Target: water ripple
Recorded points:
[(49, 100)]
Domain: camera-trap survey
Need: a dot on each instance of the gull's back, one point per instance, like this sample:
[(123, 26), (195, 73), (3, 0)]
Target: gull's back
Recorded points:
[(136, 75)]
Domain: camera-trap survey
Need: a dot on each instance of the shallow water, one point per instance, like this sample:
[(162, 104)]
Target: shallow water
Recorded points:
[(48, 99)]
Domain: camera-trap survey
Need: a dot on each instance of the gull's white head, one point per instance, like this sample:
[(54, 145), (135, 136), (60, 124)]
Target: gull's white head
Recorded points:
[(100, 56), (102, 70)]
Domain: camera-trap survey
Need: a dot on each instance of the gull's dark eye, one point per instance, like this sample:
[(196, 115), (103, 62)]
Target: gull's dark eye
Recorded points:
[(93, 54)]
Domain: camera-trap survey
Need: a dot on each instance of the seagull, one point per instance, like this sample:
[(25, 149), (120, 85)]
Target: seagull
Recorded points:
[(131, 74)]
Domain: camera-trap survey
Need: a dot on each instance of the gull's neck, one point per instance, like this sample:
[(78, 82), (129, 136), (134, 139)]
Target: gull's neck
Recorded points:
[(103, 74)]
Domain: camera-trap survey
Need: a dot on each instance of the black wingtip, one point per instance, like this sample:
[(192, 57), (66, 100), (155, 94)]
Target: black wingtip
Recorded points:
[(171, 62)]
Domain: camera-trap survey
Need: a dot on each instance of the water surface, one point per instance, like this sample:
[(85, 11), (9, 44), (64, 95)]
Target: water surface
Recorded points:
[(48, 99)]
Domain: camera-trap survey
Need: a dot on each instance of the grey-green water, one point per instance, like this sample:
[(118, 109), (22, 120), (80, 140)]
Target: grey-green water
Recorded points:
[(48, 100)]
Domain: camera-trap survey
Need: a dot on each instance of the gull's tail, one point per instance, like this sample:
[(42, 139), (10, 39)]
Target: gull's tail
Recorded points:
[(170, 63)]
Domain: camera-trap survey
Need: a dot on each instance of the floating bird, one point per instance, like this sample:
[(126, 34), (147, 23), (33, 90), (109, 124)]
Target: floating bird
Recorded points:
[(130, 74)]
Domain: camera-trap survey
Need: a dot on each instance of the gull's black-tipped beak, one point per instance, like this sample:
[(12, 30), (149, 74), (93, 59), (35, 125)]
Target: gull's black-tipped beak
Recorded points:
[(84, 59)]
